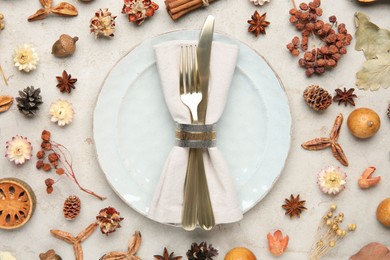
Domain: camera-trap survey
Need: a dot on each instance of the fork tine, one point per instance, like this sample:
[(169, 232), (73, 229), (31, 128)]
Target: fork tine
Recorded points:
[(181, 71), (189, 70), (196, 73)]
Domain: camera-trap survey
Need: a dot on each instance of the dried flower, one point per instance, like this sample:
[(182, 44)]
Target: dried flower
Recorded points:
[(365, 181), (201, 252), (294, 206), (329, 233), (61, 112), (103, 23), (19, 149), (59, 156), (344, 96), (66, 82), (6, 256), (258, 23), (277, 244), (108, 220), (332, 180), (167, 256), (139, 10), (25, 58), (259, 2)]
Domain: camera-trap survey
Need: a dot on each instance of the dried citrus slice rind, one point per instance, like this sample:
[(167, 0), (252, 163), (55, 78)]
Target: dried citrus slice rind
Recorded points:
[(17, 203)]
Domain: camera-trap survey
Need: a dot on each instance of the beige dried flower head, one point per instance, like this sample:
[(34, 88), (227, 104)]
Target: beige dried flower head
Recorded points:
[(103, 23), (25, 58), (19, 150), (61, 112), (332, 180), (259, 2)]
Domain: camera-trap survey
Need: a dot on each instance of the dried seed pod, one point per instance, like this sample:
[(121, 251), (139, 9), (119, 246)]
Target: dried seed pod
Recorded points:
[(49, 255), (65, 46), (72, 206), (5, 103)]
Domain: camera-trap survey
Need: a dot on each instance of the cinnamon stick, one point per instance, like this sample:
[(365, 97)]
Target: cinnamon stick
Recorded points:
[(178, 8)]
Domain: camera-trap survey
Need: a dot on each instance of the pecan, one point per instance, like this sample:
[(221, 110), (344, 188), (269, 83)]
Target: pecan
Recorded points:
[(5, 103), (64, 9), (324, 142)]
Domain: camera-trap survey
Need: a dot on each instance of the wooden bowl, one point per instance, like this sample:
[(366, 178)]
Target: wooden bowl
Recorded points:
[(17, 203)]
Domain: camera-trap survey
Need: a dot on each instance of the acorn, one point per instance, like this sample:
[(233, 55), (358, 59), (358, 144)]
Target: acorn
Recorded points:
[(65, 46)]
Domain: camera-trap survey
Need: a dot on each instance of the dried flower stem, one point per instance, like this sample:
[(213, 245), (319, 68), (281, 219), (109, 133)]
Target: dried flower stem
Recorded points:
[(295, 6), (59, 149), (3, 76)]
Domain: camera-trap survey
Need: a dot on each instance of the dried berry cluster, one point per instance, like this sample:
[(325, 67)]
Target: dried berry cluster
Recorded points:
[(333, 45), (47, 158)]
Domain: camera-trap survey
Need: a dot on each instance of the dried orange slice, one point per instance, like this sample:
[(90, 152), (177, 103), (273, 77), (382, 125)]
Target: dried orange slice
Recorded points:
[(17, 203)]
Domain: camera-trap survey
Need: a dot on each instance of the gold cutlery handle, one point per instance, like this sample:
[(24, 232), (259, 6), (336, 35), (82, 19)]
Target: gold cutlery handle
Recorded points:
[(189, 214)]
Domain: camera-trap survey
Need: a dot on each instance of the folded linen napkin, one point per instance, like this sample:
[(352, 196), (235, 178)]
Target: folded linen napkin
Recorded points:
[(167, 202)]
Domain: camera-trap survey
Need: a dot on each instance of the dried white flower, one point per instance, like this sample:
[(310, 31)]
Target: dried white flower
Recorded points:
[(103, 23), (61, 112), (6, 256), (25, 58), (18, 150), (259, 2), (332, 180)]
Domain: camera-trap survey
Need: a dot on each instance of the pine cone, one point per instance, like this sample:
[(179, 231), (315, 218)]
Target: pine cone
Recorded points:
[(29, 101), (72, 207), (317, 98), (201, 252)]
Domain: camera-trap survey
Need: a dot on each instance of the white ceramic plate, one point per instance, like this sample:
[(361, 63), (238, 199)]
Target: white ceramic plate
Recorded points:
[(134, 132)]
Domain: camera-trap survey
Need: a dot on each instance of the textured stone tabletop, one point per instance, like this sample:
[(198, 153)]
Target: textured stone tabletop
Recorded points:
[(90, 65)]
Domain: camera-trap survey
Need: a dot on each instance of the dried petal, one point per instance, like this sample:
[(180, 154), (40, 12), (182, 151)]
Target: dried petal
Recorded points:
[(5, 103), (317, 144), (365, 181), (338, 153), (135, 243), (277, 244), (46, 3), (39, 15), (64, 9), (334, 134)]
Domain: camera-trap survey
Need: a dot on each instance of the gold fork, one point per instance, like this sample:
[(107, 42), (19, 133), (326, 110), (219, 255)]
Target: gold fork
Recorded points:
[(191, 96)]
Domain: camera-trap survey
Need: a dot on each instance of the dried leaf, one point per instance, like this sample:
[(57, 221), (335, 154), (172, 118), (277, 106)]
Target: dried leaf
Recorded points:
[(46, 3), (369, 37), (135, 243), (39, 15), (338, 153), (64, 9), (375, 73), (5, 103), (316, 144)]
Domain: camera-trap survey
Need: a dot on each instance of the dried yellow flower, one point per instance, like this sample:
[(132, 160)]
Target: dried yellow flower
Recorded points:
[(25, 58)]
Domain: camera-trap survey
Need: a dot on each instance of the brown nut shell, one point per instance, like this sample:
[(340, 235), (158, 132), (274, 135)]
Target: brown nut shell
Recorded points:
[(383, 212), (17, 203), (363, 122), (65, 46)]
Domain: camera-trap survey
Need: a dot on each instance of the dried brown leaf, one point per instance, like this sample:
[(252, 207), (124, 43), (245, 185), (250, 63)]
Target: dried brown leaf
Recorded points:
[(316, 144), (338, 153), (64, 9), (39, 15), (135, 243), (46, 3), (5, 103)]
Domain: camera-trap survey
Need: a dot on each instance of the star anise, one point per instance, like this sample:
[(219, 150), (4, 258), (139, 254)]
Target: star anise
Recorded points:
[(324, 142), (258, 23), (294, 206), (167, 256), (65, 82), (345, 96)]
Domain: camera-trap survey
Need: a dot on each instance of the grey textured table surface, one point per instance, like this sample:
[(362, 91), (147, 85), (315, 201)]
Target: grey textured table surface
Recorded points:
[(94, 59)]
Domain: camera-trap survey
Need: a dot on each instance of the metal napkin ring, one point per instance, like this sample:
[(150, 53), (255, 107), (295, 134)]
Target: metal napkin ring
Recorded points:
[(196, 136)]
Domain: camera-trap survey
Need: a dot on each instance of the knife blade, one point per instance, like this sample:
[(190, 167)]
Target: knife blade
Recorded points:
[(205, 211), (203, 53)]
